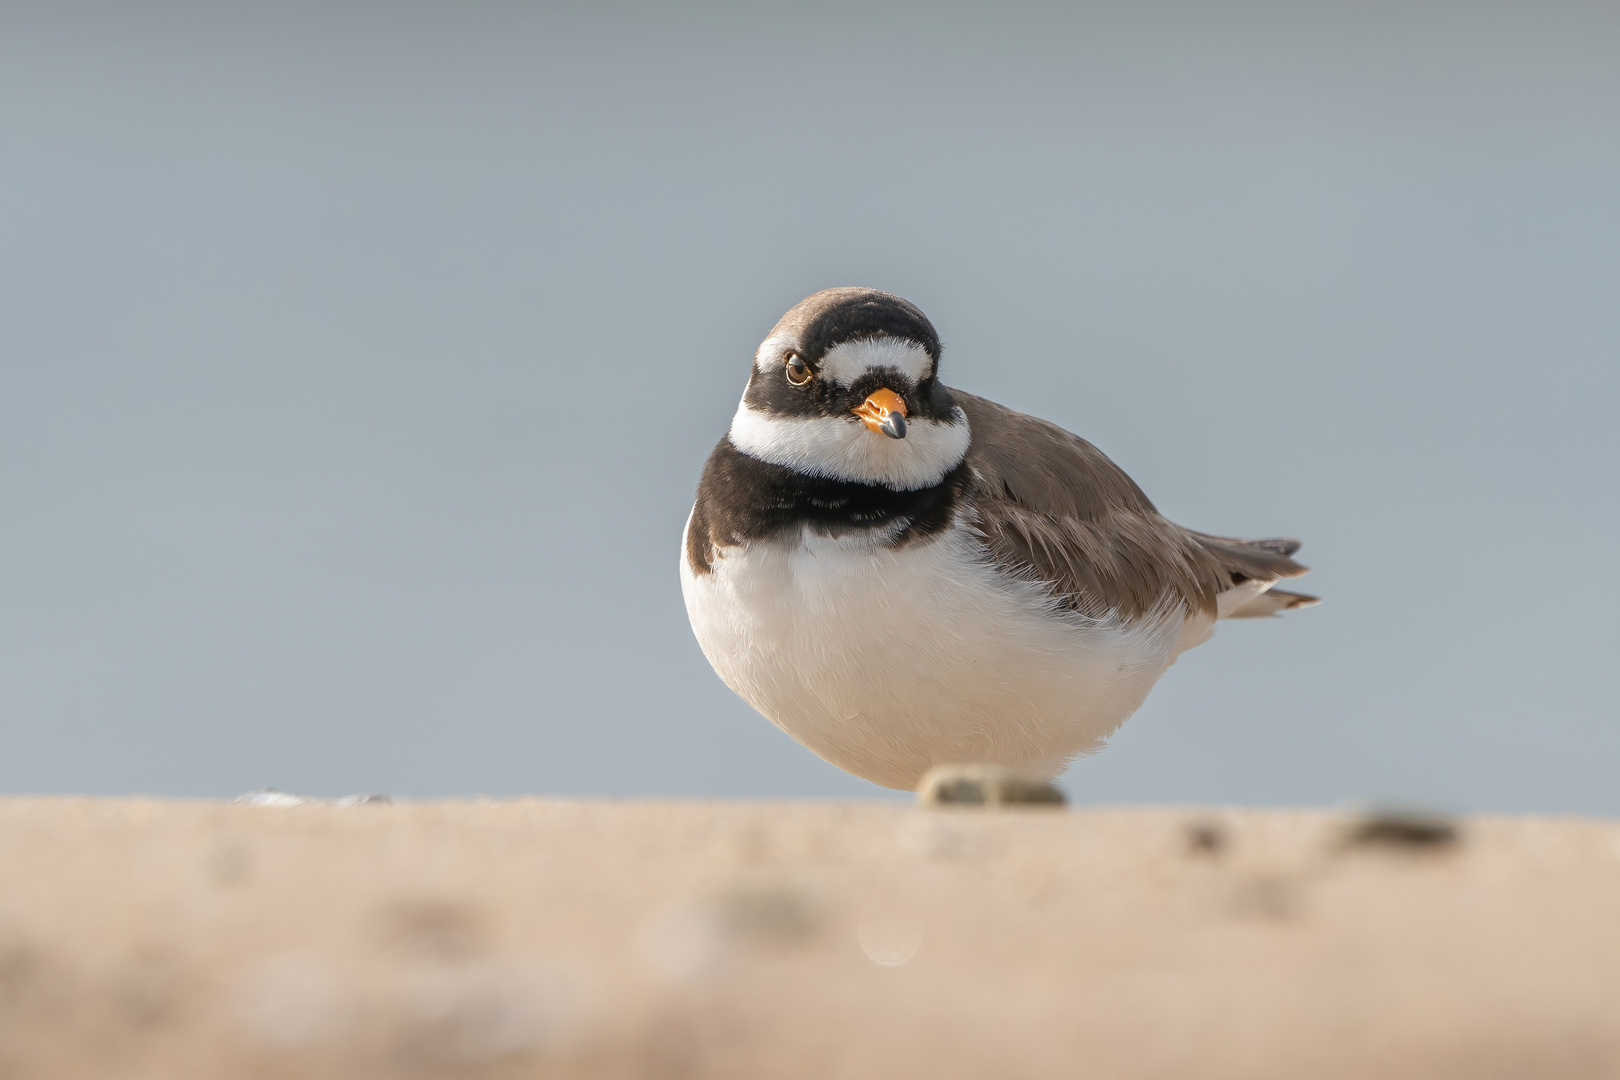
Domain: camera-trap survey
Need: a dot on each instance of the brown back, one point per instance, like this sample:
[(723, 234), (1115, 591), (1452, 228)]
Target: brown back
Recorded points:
[(1053, 507)]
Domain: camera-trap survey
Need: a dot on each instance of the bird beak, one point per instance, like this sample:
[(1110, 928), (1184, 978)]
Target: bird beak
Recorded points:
[(884, 411)]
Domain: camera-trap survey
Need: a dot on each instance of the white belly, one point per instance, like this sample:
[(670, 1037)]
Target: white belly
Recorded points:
[(887, 661)]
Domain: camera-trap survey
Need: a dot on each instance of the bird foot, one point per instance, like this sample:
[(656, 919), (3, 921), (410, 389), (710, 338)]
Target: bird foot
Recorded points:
[(986, 785)]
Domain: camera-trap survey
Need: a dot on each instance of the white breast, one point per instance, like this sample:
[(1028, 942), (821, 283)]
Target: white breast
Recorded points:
[(888, 661)]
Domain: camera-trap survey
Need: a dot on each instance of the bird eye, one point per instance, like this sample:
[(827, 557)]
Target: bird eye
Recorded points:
[(798, 372)]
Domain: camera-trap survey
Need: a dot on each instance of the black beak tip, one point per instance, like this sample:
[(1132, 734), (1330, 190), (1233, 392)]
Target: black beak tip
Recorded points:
[(894, 426)]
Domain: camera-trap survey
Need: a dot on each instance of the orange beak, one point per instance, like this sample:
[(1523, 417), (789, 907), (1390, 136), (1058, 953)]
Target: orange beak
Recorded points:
[(884, 411)]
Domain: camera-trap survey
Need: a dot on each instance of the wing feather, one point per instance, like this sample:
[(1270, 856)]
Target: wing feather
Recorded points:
[(1054, 508)]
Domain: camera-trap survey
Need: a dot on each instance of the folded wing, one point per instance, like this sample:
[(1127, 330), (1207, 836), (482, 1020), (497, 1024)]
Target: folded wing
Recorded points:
[(1053, 508)]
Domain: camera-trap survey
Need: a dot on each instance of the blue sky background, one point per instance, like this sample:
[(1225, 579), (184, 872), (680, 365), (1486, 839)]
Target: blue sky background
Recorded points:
[(357, 362)]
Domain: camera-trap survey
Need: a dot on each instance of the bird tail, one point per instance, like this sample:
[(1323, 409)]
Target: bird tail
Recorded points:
[(1272, 602)]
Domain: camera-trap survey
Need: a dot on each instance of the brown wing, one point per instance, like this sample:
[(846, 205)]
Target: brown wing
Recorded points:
[(1052, 506)]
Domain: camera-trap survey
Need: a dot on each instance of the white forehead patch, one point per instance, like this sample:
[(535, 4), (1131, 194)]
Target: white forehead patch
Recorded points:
[(845, 363), (770, 355), (842, 448)]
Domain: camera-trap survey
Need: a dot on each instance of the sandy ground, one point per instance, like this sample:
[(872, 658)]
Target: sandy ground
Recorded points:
[(629, 939)]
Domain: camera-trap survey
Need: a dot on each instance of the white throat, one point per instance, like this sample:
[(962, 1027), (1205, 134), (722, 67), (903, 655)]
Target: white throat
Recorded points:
[(845, 449)]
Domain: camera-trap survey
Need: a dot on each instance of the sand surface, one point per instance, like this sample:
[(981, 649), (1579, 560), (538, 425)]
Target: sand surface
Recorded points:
[(653, 939)]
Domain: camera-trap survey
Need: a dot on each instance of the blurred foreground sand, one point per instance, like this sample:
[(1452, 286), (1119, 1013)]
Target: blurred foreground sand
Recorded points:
[(640, 939)]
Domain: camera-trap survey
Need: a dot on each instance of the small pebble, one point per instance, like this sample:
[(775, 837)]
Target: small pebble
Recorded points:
[(1399, 827), (271, 797), (768, 914), (1206, 838)]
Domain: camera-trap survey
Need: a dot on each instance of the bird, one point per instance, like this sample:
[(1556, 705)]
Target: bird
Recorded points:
[(905, 577)]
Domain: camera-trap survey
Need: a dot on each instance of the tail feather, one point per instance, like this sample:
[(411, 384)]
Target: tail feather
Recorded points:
[(1252, 560), (1272, 602), (1282, 545)]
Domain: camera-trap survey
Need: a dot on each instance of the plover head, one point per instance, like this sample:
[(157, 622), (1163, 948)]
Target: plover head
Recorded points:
[(846, 387)]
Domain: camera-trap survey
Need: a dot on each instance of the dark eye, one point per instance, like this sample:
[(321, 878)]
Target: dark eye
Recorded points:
[(798, 372)]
